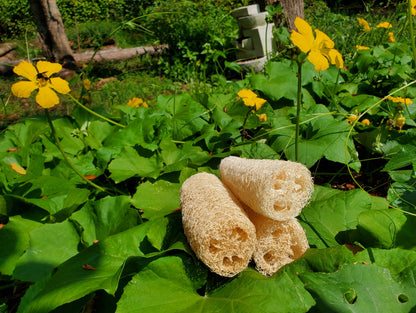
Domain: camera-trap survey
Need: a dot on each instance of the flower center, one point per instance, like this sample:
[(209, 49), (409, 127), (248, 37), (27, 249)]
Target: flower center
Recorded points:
[(42, 79)]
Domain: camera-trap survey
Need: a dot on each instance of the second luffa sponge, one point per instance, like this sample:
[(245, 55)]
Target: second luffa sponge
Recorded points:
[(273, 188), (217, 228)]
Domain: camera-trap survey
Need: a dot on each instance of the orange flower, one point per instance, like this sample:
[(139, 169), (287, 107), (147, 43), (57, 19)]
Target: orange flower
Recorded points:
[(18, 169)]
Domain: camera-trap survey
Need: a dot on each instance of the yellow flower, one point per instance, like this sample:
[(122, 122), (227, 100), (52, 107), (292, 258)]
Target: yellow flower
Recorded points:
[(364, 24), (137, 102), (87, 84), (359, 48), (391, 37), (320, 48), (384, 25), (40, 78), (262, 117), (366, 122), (251, 99), (401, 100), (413, 4), (352, 118)]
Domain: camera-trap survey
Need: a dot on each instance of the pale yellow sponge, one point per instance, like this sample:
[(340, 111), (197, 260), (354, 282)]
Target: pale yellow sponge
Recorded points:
[(278, 242), (217, 228), (274, 188)]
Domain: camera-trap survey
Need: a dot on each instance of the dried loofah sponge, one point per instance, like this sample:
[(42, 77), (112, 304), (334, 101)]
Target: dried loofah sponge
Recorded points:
[(274, 188), (217, 228), (278, 242)]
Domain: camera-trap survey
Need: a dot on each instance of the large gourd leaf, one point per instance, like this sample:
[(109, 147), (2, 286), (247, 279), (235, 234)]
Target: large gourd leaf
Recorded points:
[(157, 199), (130, 163), (168, 285), (49, 246), (107, 216), (97, 267), (14, 238), (332, 215), (357, 288)]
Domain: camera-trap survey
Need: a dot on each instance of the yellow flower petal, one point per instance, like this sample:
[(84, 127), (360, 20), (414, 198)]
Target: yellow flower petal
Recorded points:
[(48, 68), (391, 37), (246, 93), (258, 102), (23, 89), (318, 60), (262, 117), (413, 4), (60, 85), (359, 48), (18, 169), (304, 38), (336, 58), (364, 24), (26, 69), (323, 41), (47, 98), (384, 25)]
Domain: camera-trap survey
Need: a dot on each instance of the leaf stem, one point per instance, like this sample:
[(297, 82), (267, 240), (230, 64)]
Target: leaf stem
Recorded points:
[(410, 20), (298, 104), (95, 113), (68, 161)]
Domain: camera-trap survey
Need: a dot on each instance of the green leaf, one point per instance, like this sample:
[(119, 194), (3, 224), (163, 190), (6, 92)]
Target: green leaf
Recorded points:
[(130, 163), (71, 281), (188, 116), (50, 245), (105, 217), (357, 288), (386, 229), (256, 150), (281, 81), (332, 215), (56, 195), (168, 285), (157, 199), (14, 238), (401, 159)]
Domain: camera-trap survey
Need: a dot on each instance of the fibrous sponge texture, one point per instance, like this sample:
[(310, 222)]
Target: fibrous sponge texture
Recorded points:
[(278, 242), (274, 188), (217, 228)]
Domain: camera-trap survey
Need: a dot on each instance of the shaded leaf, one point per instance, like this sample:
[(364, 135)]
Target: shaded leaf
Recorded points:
[(167, 285), (14, 238), (49, 246)]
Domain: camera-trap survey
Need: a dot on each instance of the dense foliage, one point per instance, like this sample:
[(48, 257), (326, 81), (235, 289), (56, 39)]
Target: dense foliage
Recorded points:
[(108, 235)]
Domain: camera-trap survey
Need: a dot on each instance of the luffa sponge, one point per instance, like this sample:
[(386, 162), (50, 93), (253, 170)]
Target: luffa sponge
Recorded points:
[(273, 188), (278, 242), (217, 228)]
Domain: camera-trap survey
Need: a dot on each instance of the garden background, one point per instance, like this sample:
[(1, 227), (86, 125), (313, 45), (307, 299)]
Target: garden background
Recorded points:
[(89, 188)]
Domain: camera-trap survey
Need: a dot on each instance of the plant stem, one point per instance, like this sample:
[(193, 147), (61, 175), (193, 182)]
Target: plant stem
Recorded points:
[(95, 113), (58, 143), (298, 104), (412, 37)]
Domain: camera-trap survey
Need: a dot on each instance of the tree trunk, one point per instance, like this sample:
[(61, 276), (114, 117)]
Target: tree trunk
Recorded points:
[(291, 10), (51, 31)]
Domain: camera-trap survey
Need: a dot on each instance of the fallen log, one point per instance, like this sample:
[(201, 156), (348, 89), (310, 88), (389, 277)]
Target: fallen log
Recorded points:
[(7, 47), (6, 67)]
